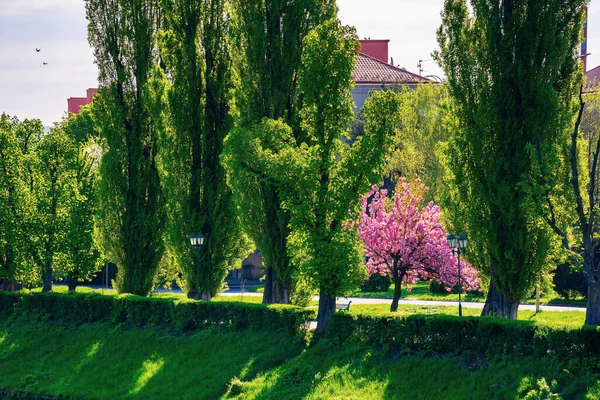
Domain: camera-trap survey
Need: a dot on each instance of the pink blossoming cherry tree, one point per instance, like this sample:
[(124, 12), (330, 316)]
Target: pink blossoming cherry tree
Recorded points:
[(404, 239)]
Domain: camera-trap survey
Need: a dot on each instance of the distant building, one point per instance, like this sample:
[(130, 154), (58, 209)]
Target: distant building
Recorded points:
[(75, 103), (373, 71), (592, 80)]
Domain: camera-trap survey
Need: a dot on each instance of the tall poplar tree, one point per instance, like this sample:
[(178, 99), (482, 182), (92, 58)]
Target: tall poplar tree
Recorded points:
[(512, 69), (269, 41), (321, 180), (196, 51), (123, 33)]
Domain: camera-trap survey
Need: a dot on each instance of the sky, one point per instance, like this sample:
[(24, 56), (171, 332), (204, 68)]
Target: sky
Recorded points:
[(29, 89)]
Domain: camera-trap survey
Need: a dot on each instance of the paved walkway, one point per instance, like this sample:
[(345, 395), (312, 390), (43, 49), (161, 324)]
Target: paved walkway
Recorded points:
[(235, 291), (368, 300), (362, 300)]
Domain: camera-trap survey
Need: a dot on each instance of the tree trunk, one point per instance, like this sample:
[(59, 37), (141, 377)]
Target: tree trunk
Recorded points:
[(326, 308), (191, 295), (498, 305), (72, 283), (10, 285), (47, 280), (592, 312), (275, 292), (206, 296), (397, 294)]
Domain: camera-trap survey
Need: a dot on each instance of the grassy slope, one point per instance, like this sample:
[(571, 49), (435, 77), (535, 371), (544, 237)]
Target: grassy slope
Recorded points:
[(100, 361)]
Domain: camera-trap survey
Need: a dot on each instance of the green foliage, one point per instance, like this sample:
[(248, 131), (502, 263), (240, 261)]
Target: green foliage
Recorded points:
[(325, 177), (268, 38), (178, 316), (320, 180), (17, 141), (569, 281), (512, 70), (193, 107), (436, 287), (421, 137), (131, 207), (542, 392), (376, 283), (482, 336), (82, 253), (54, 189)]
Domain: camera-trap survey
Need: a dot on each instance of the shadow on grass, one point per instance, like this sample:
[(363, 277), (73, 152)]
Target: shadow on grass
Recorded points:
[(100, 361), (303, 376)]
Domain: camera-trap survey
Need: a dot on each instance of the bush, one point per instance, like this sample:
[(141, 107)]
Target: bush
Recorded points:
[(376, 283), (437, 287), (135, 311), (569, 282), (484, 336)]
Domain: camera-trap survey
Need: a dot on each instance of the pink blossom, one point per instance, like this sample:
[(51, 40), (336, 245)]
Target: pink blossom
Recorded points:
[(405, 240)]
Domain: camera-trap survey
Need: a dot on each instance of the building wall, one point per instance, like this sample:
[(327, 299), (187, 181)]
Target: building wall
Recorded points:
[(75, 103), (360, 94), (362, 91)]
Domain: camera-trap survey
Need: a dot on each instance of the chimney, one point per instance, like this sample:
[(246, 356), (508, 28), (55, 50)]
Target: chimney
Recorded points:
[(375, 48)]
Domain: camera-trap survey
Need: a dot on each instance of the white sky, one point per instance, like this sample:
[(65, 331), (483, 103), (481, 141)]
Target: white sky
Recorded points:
[(29, 89)]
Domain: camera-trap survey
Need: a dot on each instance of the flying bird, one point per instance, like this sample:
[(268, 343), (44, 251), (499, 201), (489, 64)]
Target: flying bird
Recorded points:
[(37, 50), (45, 63)]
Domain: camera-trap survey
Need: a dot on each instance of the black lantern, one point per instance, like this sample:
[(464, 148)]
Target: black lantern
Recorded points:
[(462, 246)]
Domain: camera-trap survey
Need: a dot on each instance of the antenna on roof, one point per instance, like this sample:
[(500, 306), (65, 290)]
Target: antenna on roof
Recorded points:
[(420, 66)]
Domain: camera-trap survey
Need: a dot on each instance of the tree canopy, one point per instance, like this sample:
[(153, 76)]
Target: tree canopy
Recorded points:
[(123, 36), (512, 70)]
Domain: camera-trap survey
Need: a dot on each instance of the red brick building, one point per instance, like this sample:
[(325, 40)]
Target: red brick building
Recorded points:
[(75, 103)]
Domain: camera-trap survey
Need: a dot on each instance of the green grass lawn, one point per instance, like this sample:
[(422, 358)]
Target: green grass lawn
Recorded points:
[(558, 319), (106, 362), (164, 295), (420, 291)]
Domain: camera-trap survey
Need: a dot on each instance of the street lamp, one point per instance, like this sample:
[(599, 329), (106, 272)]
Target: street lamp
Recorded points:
[(197, 240), (462, 246)]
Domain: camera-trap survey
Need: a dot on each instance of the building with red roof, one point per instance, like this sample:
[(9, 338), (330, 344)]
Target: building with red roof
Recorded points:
[(373, 72)]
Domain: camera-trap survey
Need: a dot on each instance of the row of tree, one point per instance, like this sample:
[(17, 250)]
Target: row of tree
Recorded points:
[(225, 117), (47, 203), (177, 77)]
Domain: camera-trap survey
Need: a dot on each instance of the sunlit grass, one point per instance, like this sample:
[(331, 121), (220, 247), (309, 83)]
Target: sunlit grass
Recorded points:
[(148, 369), (562, 319), (101, 361), (420, 291)]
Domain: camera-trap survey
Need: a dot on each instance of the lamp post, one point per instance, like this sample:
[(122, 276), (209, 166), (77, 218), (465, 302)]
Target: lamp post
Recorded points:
[(462, 246), (197, 240)]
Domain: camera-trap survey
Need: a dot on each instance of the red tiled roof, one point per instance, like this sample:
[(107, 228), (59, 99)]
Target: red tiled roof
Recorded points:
[(592, 80), (373, 71)]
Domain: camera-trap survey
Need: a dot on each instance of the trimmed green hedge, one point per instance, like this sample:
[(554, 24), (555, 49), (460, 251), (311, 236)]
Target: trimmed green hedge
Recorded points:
[(476, 336), (175, 315)]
